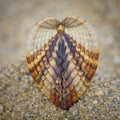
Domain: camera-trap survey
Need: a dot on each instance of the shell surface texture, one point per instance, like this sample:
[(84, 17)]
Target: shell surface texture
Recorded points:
[(62, 58)]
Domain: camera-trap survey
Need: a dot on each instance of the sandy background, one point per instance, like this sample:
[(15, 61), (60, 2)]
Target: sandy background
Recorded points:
[(17, 18)]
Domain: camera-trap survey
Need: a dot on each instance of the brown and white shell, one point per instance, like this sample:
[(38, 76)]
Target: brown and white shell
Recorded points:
[(62, 58)]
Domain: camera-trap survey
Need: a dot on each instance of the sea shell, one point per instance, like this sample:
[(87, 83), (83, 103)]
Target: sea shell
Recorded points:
[(62, 58)]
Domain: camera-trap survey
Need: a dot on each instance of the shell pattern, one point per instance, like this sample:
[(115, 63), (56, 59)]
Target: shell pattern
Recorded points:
[(62, 57)]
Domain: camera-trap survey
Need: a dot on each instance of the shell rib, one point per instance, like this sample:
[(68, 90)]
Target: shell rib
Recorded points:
[(62, 58)]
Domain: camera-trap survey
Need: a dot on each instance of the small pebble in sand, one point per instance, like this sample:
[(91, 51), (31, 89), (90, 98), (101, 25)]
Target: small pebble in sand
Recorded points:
[(95, 102), (99, 93), (1, 108)]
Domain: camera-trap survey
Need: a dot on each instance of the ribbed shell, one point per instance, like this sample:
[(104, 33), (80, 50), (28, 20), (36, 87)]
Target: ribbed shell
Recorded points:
[(62, 63)]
